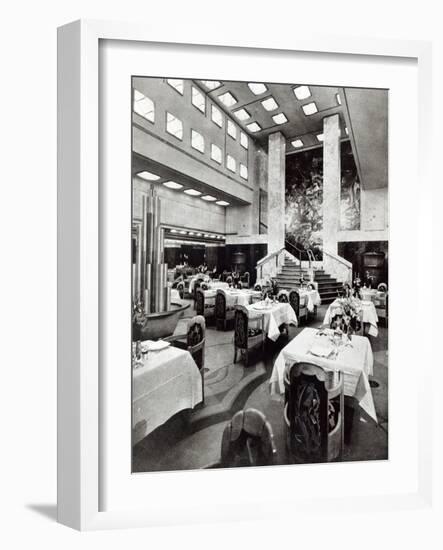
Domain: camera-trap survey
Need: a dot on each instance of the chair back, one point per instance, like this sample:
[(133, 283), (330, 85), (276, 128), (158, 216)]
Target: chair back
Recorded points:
[(245, 278), (310, 286), (238, 285), (258, 288), (200, 301), (315, 421), (241, 327), (294, 300), (382, 287), (248, 440), (220, 304), (195, 339), (197, 285), (283, 296)]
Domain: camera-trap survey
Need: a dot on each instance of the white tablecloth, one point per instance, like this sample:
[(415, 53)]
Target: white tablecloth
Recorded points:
[(233, 297), (175, 295), (195, 279), (274, 317), (368, 294), (368, 315), (169, 381), (312, 297), (355, 362)]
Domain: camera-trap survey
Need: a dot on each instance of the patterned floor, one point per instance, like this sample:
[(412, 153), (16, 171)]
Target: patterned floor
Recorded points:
[(191, 440)]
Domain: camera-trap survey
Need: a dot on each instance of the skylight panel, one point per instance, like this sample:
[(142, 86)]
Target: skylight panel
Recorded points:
[(302, 92), (257, 88), (174, 126), (227, 99), (172, 185), (270, 104), (198, 100), (253, 127), (310, 108), (211, 84), (242, 114), (177, 84), (209, 198), (230, 163), (197, 141), (297, 143), (144, 106), (192, 192), (216, 115), (232, 129), (244, 171), (149, 176), (244, 142), (280, 118), (222, 203), (216, 153), (320, 137)]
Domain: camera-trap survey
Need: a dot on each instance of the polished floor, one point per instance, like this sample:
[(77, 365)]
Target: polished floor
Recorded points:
[(191, 440)]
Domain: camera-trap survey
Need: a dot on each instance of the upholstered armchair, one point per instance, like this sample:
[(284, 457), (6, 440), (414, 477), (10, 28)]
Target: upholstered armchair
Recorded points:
[(248, 441), (314, 413), (224, 312), (245, 279), (299, 305), (248, 333), (202, 306)]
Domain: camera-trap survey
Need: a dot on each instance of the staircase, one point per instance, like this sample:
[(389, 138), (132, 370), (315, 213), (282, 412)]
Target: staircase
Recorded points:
[(291, 272)]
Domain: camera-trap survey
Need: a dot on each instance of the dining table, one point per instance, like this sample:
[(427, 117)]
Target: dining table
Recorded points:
[(242, 297), (368, 315), (312, 298), (352, 357), (164, 382), (274, 315)]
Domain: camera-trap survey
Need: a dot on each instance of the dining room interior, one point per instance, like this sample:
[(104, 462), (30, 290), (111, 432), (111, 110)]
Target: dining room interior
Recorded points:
[(260, 266)]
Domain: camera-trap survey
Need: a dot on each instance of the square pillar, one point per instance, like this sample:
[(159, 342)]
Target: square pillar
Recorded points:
[(331, 182), (276, 191)]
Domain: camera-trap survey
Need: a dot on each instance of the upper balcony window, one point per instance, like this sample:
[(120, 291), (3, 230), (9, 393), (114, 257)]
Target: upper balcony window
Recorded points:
[(232, 129), (244, 140), (174, 126), (177, 84), (216, 153), (216, 116), (230, 163), (144, 106), (244, 171), (197, 141), (198, 100)]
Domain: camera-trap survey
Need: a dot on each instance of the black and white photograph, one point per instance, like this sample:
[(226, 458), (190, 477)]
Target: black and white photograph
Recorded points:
[(260, 280)]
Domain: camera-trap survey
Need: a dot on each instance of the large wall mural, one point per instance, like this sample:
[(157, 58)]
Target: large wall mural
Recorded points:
[(304, 197)]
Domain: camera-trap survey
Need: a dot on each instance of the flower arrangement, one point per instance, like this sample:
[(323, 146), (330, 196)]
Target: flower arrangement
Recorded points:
[(347, 315), (139, 318)]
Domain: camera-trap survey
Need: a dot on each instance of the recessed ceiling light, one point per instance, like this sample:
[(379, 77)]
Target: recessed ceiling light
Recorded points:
[(183, 232), (257, 88), (253, 127), (173, 230), (302, 92), (191, 232), (208, 198), (297, 143), (211, 84), (172, 185), (199, 234), (149, 176), (206, 235), (310, 108), (222, 203), (227, 99), (280, 118), (242, 114), (338, 99), (320, 137), (192, 192), (346, 131), (270, 104)]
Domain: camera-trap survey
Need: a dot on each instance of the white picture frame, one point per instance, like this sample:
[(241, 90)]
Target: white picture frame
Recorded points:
[(80, 444)]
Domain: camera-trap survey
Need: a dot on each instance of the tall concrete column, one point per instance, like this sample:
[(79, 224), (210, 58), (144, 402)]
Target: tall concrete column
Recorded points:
[(331, 182), (276, 192)]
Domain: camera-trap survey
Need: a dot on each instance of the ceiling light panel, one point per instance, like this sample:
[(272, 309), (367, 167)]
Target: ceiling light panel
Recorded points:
[(270, 104), (257, 88), (302, 92), (310, 108), (280, 118), (172, 185), (320, 137), (222, 203), (253, 127), (149, 176), (211, 84), (297, 143), (242, 114), (192, 192), (227, 99), (208, 198)]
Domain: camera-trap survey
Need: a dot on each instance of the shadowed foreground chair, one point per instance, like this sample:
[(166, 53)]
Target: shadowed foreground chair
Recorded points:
[(248, 333), (314, 413), (203, 306), (224, 313), (248, 441), (300, 309), (194, 342)]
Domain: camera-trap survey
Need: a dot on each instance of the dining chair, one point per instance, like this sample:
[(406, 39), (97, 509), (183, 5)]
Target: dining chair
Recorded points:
[(314, 413), (193, 342), (248, 333), (248, 440), (381, 301), (245, 279), (382, 287), (224, 312), (283, 296), (299, 305), (258, 288)]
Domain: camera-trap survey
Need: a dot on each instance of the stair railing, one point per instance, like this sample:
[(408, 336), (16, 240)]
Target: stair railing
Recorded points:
[(294, 250)]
